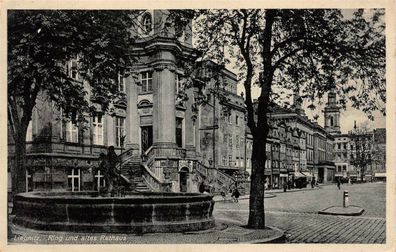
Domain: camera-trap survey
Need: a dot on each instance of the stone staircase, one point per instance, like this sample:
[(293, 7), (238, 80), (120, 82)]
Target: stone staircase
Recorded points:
[(132, 171), (140, 185)]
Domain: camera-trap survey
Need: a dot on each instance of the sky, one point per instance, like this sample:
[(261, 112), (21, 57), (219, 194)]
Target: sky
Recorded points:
[(347, 116)]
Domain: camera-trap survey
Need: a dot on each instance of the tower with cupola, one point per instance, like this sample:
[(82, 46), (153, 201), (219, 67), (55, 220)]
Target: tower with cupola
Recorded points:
[(332, 114)]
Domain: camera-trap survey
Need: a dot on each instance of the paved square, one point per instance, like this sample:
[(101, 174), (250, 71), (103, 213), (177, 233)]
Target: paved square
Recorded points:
[(296, 213)]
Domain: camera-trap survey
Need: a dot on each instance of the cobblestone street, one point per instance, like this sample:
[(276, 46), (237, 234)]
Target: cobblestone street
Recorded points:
[(296, 213)]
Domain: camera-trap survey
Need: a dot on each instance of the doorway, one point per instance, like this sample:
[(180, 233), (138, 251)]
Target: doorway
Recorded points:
[(320, 175), (146, 137)]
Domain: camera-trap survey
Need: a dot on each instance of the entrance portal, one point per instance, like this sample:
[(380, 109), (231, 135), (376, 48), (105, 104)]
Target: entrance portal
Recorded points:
[(320, 175), (146, 137)]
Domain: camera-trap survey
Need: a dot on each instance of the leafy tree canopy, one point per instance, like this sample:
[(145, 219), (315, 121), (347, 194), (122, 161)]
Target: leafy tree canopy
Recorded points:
[(311, 51), (42, 42)]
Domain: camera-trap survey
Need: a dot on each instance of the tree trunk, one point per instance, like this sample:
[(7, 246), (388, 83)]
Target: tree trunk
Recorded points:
[(256, 200), (18, 170), (256, 208)]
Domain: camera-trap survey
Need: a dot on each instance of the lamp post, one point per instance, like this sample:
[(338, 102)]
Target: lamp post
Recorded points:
[(122, 140)]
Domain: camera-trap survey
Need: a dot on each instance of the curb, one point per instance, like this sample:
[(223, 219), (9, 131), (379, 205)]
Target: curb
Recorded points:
[(298, 190), (244, 197), (281, 238), (359, 211)]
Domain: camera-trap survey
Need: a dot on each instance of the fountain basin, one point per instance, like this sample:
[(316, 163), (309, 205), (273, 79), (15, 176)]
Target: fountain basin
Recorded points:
[(143, 212)]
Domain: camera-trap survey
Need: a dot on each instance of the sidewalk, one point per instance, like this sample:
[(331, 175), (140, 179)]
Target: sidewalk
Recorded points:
[(267, 194), (226, 231), (294, 189)]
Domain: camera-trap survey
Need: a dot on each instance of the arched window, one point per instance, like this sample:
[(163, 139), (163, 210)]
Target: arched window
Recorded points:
[(331, 121), (147, 23)]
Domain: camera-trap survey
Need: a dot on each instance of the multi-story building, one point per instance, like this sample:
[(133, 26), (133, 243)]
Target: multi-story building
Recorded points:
[(223, 138), (161, 141), (297, 148), (354, 152)]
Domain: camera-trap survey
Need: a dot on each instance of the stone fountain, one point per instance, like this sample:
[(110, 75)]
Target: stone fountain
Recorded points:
[(112, 211)]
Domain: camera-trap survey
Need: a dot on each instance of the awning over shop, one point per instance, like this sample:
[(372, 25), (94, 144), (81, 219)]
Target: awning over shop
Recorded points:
[(299, 175), (380, 174), (307, 174)]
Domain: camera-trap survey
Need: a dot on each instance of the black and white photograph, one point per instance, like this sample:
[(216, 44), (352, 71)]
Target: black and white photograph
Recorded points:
[(247, 125)]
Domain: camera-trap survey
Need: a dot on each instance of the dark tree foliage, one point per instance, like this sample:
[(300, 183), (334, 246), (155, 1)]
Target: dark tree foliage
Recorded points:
[(301, 51), (41, 43)]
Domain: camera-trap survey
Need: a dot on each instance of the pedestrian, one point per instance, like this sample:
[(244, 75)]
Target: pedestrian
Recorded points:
[(236, 195), (223, 194), (313, 183), (338, 184), (284, 187), (201, 187)]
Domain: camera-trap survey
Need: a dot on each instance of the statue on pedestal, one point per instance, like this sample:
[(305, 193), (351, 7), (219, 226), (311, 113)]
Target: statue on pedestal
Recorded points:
[(108, 167)]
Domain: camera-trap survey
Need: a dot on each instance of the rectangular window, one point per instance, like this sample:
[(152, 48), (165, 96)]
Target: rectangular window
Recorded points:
[(71, 132), (73, 179), (339, 146), (230, 161), (100, 181), (72, 68), (224, 160), (29, 132), (237, 141), (97, 129), (179, 132), (344, 167), (236, 120), (121, 83), (345, 146), (146, 81), (178, 83), (120, 129), (230, 141)]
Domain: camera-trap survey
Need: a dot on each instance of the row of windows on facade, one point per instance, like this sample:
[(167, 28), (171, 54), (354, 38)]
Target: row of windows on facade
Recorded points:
[(239, 162), (344, 146), (72, 131), (353, 156), (305, 138), (145, 78), (343, 167), (73, 180)]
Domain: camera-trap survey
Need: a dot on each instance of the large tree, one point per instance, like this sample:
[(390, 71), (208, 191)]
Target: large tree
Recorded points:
[(305, 51), (40, 45)]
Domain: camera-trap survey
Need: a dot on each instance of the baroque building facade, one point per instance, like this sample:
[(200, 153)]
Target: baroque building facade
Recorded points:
[(159, 139)]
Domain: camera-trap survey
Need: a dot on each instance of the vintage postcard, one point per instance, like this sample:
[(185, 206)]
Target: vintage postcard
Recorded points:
[(239, 125)]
